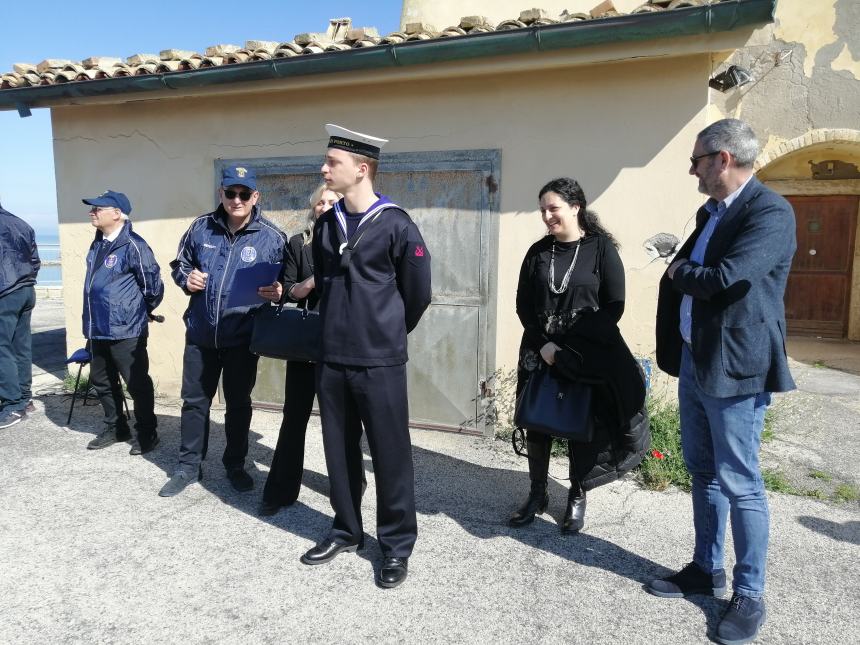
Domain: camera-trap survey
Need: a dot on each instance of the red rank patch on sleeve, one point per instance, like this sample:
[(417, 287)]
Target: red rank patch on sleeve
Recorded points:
[(419, 251)]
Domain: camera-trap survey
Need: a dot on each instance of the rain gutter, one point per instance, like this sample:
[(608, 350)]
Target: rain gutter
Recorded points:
[(673, 23)]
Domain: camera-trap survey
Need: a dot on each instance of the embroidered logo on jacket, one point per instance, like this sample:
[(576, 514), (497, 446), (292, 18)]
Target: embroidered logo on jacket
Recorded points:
[(249, 254), (110, 261), (419, 251)]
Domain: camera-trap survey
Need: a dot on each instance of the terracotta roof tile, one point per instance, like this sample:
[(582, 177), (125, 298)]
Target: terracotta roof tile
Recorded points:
[(140, 59), (340, 35)]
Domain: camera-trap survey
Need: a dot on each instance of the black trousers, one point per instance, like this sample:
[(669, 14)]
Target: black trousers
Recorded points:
[(201, 369), (376, 398), (16, 356), (285, 476), (129, 359)]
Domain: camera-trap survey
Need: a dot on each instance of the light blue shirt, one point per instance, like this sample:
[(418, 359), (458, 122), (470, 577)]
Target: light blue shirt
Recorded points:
[(717, 210)]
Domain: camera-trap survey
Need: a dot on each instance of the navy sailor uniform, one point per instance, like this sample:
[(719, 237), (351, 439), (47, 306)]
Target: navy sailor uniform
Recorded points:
[(373, 275)]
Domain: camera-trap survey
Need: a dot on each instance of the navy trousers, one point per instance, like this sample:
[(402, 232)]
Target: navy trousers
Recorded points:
[(201, 369), (16, 352), (374, 397)]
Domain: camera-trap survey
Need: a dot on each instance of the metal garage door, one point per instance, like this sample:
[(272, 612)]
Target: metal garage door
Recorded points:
[(453, 197)]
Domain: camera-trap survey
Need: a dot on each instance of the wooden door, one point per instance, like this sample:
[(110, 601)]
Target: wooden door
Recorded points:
[(819, 286)]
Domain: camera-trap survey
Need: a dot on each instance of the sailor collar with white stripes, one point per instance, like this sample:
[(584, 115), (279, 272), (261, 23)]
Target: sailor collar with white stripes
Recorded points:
[(370, 214), (348, 245)]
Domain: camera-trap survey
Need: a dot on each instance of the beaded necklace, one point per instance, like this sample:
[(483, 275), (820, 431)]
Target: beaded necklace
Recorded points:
[(566, 279)]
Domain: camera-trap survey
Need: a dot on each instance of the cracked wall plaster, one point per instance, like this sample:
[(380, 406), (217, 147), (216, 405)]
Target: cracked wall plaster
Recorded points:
[(806, 75)]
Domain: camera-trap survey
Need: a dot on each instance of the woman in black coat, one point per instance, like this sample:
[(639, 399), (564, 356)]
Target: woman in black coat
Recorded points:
[(570, 298), (285, 476)]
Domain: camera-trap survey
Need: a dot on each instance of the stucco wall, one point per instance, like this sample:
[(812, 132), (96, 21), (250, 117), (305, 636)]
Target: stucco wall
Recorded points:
[(806, 67), (445, 13), (625, 130)]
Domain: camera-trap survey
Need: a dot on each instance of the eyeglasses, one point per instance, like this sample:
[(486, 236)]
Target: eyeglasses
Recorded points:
[(694, 161), (244, 195)]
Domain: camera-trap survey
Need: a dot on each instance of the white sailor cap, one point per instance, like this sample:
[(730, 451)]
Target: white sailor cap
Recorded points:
[(355, 142)]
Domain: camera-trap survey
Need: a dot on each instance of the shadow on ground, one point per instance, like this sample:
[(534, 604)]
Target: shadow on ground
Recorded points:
[(478, 498)]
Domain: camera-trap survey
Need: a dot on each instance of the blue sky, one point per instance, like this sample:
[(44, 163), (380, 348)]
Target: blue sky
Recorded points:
[(114, 28)]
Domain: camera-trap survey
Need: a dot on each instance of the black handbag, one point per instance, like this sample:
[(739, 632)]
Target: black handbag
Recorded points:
[(287, 333), (555, 406)]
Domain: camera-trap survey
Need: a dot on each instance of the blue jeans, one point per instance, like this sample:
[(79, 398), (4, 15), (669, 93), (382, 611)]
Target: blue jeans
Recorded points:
[(721, 439)]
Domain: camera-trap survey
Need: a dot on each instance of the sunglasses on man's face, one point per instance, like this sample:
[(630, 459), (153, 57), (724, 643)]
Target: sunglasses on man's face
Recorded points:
[(244, 195), (694, 161)]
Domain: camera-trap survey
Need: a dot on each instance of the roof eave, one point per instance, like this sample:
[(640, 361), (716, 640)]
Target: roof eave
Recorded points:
[(690, 21)]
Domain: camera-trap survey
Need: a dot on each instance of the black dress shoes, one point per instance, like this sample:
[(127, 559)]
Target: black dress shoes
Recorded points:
[(574, 515), (269, 508), (393, 572), (326, 551), (143, 446), (239, 479)]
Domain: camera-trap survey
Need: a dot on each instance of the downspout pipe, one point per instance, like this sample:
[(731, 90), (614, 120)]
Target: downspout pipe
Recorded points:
[(675, 23)]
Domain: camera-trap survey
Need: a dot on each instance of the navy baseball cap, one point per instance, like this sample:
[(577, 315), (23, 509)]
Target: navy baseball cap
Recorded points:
[(239, 176), (110, 198)]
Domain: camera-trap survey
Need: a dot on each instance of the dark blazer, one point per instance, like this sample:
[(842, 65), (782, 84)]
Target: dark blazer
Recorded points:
[(299, 266), (738, 326)]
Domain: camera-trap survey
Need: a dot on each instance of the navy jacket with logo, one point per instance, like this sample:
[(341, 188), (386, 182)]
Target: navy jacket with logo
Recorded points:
[(19, 258), (368, 308), (208, 246), (123, 285)]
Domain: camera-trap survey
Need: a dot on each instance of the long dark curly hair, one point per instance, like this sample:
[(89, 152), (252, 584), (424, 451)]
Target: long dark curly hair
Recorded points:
[(573, 195)]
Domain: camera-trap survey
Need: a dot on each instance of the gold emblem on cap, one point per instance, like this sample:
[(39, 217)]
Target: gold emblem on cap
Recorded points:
[(241, 172)]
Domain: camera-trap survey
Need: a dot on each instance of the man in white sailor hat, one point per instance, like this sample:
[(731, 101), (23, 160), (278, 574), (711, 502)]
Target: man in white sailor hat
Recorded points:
[(372, 268)]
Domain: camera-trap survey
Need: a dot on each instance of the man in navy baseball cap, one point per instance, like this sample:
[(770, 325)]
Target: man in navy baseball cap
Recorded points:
[(239, 176), (110, 199)]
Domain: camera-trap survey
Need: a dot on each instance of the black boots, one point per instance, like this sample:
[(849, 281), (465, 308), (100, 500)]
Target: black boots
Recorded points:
[(574, 514), (535, 503), (538, 498)]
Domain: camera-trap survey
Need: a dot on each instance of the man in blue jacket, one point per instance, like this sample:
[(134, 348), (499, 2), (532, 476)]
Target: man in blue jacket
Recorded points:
[(372, 269), (19, 264), (721, 330), (122, 287), (214, 248)]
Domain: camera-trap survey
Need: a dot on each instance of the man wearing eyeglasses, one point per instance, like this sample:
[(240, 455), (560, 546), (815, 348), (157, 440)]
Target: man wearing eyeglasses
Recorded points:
[(121, 289), (721, 330), (215, 247)]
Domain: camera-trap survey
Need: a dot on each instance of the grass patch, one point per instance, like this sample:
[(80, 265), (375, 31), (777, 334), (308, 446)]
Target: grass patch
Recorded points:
[(774, 480), (820, 475), (664, 466), (69, 382), (846, 493), (819, 364)]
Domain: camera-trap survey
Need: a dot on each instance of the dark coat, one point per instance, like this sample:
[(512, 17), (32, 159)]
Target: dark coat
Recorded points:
[(622, 434), (208, 246), (593, 351), (299, 266), (19, 258), (368, 307), (738, 315), (122, 286)]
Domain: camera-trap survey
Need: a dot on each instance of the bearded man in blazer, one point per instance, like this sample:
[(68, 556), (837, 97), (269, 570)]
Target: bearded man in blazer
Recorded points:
[(721, 331)]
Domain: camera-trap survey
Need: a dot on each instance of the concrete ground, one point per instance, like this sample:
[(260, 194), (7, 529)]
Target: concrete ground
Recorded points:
[(90, 553)]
